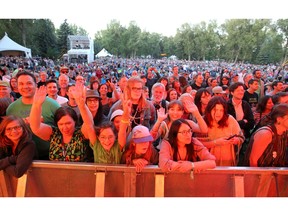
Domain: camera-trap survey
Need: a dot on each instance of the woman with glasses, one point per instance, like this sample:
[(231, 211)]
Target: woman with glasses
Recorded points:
[(224, 137), (93, 102), (181, 152), (143, 110), (175, 111), (17, 149)]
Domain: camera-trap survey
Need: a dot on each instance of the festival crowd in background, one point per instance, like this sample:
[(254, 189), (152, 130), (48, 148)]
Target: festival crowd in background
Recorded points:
[(181, 115)]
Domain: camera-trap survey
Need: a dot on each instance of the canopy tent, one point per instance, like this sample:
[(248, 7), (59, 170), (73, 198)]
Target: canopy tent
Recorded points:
[(10, 47), (103, 53)]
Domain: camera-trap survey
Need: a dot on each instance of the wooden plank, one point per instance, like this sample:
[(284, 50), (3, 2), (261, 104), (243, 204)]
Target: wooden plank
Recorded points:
[(3, 185), (239, 186), (159, 185), (21, 186), (264, 185), (100, 184), (130, 184)]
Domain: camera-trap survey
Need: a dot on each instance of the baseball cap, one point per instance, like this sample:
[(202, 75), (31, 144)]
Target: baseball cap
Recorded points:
[(117, 112), (218, 90), (92, 94), (4, 83), (141, 134)]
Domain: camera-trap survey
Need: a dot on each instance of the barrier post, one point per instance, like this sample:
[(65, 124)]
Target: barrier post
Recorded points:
[(239, 186), (159, 185), (21, 186), (100, 184), (3, 185)]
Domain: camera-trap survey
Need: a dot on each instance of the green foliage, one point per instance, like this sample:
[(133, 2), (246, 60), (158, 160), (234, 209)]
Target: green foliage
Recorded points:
[(260, 41)]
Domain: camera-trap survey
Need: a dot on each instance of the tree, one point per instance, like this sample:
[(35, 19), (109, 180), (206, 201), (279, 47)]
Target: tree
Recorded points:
[(62, 35)]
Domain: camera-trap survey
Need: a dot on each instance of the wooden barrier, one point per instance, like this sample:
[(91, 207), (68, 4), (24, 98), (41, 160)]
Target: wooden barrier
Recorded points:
[(64, 179)]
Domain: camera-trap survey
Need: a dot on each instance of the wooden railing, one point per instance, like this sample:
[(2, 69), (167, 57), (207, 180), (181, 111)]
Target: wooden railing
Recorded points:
[(64, 179)]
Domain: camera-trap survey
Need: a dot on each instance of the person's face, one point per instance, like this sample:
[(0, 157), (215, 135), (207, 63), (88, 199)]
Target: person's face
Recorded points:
[(141, 148), (26, 86), (107, 138), (279, 87), (52, 89), (269, 104), (173, 95), (66, 125), (158, 94), (205, 98), (225, 81), (217, 112), (188, 89), (80, 79), (214, 83), (93, 104), (176, 84), (199, 79), (175, 112), (184, 135), (14, 131), (43, 77), (13, 83), (117, 121), (103, 90), (164, 82), (136, 90), (95, 86), (4, 92), (175, 70), (254, 86), (146, 93), (122, 83), (248, 77), (63, 81), (238, 93), (258, 74)]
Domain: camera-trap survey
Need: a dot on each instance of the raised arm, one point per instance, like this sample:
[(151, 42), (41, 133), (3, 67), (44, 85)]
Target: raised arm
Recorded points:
[(125, 122), (79, 93), (41, 130), (201, 125)]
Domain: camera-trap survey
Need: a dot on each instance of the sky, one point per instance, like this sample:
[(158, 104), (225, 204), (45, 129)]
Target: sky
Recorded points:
[(158, 16)]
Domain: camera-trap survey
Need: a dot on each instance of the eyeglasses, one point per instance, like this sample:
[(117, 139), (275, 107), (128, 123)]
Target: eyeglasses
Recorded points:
[(185, 132), (137, 89), (92, 101), (17, 128), (104, 138)]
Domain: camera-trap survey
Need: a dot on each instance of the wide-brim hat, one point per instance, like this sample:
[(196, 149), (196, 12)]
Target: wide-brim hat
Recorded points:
[(92, 94)]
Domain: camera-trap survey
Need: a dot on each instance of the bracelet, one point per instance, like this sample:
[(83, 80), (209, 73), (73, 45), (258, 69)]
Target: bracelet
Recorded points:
[(125, 121), (193, 166), (192, 171)]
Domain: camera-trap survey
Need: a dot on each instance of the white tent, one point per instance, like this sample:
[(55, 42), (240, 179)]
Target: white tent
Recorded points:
[(103, 53), (9, 46)]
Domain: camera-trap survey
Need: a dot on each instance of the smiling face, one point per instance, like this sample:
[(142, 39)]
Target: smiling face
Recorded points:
[(175, 112), (107, 138), (66, 125), (26, 86), (14, 131)]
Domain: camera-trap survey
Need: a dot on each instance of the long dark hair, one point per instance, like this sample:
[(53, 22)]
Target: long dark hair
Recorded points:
[(63, 111), (197, 99), (262, 103), (172, 139), (210, 106)]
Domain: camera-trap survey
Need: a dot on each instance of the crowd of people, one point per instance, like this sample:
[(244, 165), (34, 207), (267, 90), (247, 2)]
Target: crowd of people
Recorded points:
[(184, 116)]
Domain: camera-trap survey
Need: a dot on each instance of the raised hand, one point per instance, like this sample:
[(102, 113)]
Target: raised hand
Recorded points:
[(79, 93), (190, 106), (40, 95), (161, 115)]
